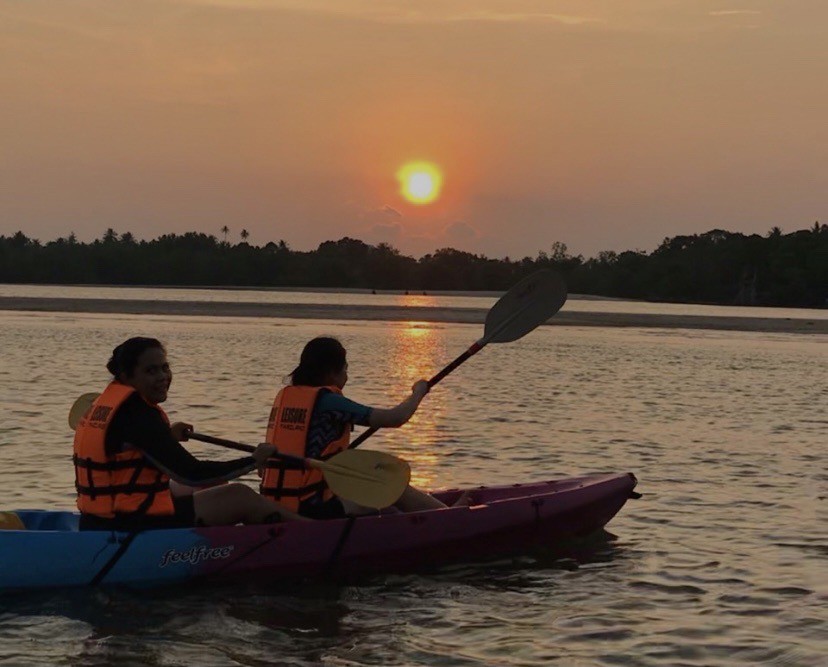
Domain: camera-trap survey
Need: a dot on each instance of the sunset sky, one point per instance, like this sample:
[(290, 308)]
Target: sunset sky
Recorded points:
[(604, 124)]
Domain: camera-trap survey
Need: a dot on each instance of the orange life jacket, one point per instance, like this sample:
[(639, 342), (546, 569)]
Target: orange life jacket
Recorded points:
[(126, 483), (287, 429)]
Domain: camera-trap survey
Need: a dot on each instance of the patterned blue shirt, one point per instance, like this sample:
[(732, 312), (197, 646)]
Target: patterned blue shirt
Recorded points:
[(332, 414)]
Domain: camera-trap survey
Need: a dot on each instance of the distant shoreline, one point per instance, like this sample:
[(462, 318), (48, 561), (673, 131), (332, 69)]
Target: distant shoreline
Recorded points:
[(395, 313), (315, 290)]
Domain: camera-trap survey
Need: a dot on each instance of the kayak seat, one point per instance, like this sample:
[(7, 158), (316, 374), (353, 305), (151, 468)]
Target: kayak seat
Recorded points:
[(10, 521)]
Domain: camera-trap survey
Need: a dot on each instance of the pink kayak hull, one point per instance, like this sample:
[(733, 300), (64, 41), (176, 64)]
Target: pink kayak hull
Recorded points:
[(503, 520)]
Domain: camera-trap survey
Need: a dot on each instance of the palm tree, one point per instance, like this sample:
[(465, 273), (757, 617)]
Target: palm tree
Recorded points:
[(244, 235), (225, 230)]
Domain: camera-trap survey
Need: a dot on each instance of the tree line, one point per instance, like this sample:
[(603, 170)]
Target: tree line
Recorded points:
[(718, 266)]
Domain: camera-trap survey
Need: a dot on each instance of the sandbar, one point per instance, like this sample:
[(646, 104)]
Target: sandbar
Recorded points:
[(405, 314)]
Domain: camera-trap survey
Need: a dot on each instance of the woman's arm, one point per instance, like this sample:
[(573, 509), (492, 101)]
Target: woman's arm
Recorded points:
[(399, 415), (140, 426), (183, 467)]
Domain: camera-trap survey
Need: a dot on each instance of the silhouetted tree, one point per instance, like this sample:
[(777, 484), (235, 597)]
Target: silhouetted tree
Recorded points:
[(715, 267)]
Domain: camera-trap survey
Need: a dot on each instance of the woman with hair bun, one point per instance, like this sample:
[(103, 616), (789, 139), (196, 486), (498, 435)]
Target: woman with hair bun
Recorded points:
[(126, 453), (311, 418)]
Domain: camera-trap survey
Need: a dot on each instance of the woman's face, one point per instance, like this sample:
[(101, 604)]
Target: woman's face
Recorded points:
[(341, 378), (152, 375)]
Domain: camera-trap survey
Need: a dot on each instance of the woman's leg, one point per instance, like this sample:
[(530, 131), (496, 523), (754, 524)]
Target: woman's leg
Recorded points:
[(180, 490), (233, 503), (414, 500)]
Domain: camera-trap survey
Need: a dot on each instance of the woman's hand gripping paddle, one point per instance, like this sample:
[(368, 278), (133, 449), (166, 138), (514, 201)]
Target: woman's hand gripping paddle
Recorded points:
[(523, 308), (368, 478)]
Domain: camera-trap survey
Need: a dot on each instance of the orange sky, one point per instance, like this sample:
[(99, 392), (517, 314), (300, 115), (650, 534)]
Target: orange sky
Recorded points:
[(605, 124)]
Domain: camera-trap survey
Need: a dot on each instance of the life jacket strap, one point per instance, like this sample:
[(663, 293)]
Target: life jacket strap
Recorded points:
[(137, 473), (89, 479), (117, 489), (90, 465), (150, 499), (274, 464)]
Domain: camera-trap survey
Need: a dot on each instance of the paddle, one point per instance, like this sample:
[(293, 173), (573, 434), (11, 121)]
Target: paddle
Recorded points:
[(79, 408), (368, 478), (524, 307), (375, 480)]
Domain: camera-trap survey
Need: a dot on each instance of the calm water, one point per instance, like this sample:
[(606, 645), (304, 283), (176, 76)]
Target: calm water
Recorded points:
[(723, 562)]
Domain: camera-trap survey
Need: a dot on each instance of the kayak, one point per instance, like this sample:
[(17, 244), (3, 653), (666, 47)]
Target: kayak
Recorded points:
[(45, 549)]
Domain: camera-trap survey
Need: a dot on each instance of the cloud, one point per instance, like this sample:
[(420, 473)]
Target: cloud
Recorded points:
[(377, 224), (459, 235), (381, 225), (735, 12), (383, 233), (517, 17), (391, 212), (382, 212), (460, 232), (383, 215), (399, 12)]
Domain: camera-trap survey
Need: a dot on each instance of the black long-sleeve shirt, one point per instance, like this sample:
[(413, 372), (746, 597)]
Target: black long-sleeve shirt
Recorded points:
[(137, 425)]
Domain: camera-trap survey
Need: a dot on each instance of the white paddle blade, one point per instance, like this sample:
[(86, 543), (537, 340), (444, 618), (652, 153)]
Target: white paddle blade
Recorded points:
[(80, 407), (527, 305), (369, 478)]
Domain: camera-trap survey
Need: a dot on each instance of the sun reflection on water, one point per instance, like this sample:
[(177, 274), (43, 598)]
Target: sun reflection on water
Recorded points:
[(418, 351), (421, 300)]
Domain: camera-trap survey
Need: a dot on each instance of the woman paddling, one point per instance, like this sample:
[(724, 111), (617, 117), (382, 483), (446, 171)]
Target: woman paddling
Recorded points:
[(126, 452), (311, 418)]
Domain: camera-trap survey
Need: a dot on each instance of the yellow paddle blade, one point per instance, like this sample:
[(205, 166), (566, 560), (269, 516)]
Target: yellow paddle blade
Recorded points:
[(10, 521), (366, 477), (79, 408)]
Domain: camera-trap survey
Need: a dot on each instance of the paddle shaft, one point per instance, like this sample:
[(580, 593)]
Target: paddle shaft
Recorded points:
[(213, 440), (473, 349), (230, 444)]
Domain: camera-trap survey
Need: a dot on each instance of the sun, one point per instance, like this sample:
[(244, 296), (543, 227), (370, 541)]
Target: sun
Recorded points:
[(420, 182)]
